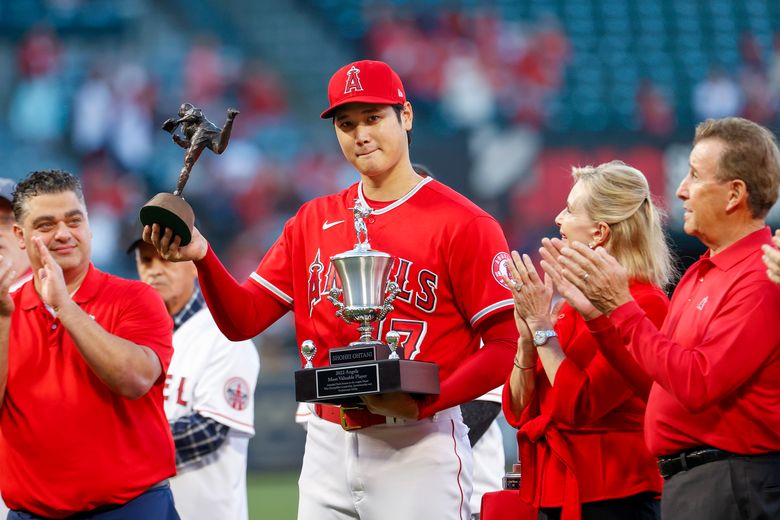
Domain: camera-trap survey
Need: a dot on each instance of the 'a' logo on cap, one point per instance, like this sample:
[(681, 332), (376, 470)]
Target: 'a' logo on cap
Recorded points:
[(353, 81)]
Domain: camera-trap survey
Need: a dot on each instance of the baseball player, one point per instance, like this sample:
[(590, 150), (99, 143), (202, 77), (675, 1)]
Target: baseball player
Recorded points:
[(487, 443), (9, 248), (398, 456), (209, 395)]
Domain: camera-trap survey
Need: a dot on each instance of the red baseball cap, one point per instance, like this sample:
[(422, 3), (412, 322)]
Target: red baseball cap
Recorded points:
[(364, 81)]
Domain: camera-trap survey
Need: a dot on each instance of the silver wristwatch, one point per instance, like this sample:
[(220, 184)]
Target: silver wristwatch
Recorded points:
[(541, 337)]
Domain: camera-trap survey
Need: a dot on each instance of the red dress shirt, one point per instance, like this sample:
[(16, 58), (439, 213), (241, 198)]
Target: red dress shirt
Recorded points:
[(716, 360)]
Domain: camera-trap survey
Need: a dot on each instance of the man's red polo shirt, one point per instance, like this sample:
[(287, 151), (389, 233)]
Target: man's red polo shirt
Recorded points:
[(67, 442), (716, 360)]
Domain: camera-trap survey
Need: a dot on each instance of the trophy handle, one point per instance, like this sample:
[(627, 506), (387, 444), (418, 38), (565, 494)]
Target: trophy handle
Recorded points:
[(393, 338), (308, 350), (391, 291), (333, 297)]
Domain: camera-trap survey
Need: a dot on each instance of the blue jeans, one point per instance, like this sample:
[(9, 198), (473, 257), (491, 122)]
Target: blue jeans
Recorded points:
[(156, 503)]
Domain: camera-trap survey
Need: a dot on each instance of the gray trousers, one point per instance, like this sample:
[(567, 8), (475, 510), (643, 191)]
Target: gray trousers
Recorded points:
[(746, 488)]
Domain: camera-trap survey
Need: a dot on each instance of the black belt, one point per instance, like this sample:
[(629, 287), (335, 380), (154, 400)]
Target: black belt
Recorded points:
[(670, 466)]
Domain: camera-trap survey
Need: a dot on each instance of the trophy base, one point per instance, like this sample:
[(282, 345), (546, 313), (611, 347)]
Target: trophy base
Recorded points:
[(344, 384), (170, 211)]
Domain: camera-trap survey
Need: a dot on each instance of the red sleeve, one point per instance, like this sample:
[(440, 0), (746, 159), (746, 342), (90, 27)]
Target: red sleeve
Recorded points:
[(739, 340), (656, 305), (482, 371), (476, 255), (275, 273), (582, 396), (145, 321), (242, 311)]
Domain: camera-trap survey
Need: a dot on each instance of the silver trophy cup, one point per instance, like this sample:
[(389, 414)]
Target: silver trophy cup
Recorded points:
[(367, 366), (363, 273), (365, 289)]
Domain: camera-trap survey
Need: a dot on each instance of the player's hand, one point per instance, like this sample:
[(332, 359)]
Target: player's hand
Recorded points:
[(597, 275), (771, 258), (54, 291), (394, 404), (550, 251), (7, 278), (168, 247)]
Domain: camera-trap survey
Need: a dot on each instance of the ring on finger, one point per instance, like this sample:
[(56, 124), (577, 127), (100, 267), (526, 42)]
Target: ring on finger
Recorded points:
[(585, 276)]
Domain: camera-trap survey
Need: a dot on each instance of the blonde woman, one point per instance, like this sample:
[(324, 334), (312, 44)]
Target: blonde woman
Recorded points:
[(580, 417)]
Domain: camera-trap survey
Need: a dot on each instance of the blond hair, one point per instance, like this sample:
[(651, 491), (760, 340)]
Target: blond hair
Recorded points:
[(751, 155), (619, 196)]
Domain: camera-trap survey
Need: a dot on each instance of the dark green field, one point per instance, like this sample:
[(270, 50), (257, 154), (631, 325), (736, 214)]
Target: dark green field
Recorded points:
[(272, 496)]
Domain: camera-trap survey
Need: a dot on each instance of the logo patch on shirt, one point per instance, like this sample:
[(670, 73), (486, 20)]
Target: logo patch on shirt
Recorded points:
[(500, 262), (237, 393), (702, 303), (328, 225)]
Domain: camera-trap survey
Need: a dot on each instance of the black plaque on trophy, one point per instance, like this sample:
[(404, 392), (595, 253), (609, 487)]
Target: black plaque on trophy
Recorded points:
[(366, 366), (364, 351)]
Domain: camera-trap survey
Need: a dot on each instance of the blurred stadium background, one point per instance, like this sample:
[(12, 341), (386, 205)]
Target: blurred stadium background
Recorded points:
[(508, 94)]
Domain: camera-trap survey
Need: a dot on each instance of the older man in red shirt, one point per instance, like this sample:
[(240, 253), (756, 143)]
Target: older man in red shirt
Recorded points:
[(713, 414)]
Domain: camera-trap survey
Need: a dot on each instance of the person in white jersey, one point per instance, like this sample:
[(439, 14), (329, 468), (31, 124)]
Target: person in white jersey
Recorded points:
[(209, 395)]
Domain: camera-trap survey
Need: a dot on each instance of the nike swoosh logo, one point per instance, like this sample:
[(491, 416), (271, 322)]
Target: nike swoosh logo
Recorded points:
[(328, 225)]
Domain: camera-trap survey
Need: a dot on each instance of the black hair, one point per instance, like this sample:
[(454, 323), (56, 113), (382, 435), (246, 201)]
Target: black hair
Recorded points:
[(44, 182), (398, 109)]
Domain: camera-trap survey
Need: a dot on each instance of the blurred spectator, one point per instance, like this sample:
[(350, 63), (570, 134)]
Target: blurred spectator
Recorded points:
[(92, 112), (656, 114), (37, 109), (467, 97), (759, 102), (260, 92), (773, 74), (470, 63), (111, 197), (205, 72), (134, 98), (716, 96), (39, 53)]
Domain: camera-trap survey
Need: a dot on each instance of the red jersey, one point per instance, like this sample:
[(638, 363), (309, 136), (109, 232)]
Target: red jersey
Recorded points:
[(68, 443), (716, 360), (581, 440), (449, 256)]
